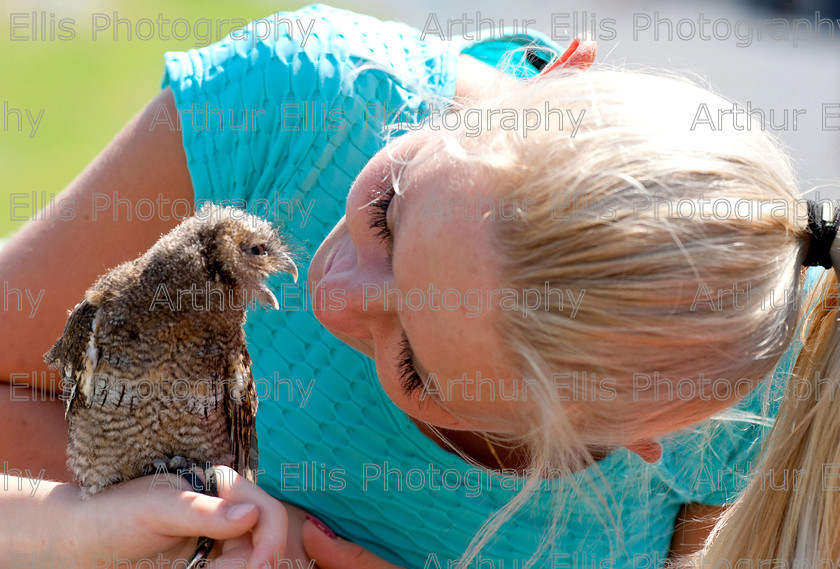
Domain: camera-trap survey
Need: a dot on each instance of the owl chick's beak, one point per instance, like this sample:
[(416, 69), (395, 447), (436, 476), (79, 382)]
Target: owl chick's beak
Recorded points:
[(290, 267), (264, 294)]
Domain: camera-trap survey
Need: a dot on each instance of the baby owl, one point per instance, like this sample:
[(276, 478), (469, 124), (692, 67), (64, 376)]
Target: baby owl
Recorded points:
[(155, 371)]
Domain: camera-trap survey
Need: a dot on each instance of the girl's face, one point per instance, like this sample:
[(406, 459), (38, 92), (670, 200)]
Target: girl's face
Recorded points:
[(404, 278), (410, 280)]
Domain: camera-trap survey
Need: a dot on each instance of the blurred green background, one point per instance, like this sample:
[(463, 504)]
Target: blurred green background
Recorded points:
[(88, 89)]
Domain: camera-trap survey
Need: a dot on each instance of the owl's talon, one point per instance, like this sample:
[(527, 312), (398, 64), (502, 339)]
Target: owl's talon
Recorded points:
[(158, 465), (211, 477), (203, 480), (202, 550), (195, 481), (178, 463)]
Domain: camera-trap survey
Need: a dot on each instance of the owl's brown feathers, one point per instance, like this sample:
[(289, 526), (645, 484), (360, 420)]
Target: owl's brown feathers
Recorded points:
[(154, 360)]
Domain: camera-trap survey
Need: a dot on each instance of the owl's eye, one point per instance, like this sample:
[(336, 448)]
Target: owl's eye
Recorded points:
[(258, 250)]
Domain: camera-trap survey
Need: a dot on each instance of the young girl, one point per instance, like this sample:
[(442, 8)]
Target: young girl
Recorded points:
[(546, 281)]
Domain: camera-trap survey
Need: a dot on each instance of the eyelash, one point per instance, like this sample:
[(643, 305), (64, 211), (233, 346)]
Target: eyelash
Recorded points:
[(410, 380), (378, 211), (380, 200)]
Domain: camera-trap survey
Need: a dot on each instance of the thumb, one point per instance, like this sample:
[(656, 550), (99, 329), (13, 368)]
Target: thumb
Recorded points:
[(193, 515), (190, 514), (331, 552)]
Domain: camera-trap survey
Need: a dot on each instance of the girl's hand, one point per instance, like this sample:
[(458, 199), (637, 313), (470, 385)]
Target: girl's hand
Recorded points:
[(158, 518), (287, 552), (332, 552)]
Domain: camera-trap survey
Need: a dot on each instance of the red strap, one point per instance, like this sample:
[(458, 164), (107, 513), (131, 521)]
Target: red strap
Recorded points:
[(580, 53)]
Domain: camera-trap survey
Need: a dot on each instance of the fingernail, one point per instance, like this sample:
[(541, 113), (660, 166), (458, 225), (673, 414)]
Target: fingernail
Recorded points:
[(321, 526), (239, 511)]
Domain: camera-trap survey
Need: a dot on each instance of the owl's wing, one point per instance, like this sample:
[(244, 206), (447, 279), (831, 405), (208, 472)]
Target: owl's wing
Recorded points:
[(76, 353), (241, 408)]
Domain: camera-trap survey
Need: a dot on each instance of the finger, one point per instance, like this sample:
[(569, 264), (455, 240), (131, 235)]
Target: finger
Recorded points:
[(229, 545), (269, 534), (234, 557), (187, 514), (336, 553)]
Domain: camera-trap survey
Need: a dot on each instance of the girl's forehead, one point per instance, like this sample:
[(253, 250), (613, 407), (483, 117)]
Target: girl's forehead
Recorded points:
[(413, 153), (441, 244)]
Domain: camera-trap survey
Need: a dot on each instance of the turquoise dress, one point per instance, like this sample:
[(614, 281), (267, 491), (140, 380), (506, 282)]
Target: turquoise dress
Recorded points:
[(278, 127)]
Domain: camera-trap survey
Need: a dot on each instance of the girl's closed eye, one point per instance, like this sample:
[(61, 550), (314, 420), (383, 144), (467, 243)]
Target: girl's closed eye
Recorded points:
[(410, 380), (381, 195)]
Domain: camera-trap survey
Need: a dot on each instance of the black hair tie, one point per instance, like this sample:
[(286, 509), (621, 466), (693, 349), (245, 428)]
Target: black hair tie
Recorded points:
[(823, 221)]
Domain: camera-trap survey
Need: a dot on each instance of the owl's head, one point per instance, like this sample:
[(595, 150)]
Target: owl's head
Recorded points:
[(242, 250)]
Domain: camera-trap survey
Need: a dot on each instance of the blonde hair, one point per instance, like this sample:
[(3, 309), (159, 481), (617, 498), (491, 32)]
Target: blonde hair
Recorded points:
[(598, 214), (789, 512)]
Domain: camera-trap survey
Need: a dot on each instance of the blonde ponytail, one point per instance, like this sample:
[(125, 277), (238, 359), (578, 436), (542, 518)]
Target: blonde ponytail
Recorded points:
[(790, 512)]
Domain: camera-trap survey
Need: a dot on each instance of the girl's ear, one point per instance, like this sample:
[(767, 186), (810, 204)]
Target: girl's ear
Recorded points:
[(649, 449), (580, 53)]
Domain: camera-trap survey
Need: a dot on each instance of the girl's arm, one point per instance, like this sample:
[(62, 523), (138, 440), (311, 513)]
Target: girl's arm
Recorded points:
[(148, 518), (52, 260)]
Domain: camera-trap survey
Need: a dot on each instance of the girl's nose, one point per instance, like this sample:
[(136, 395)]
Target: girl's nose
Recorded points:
[(354, 298)]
